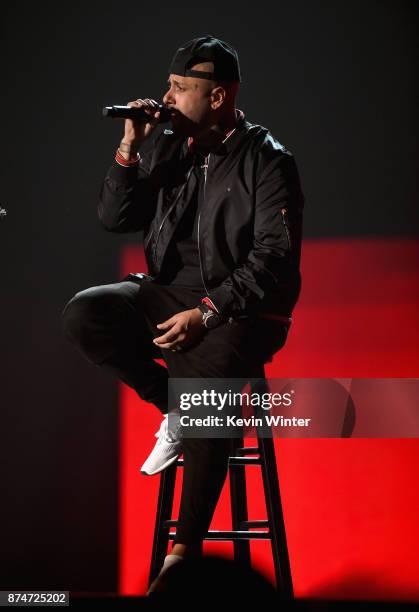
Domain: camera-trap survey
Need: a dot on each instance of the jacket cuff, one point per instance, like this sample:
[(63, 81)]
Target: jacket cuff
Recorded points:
[(223, 300), (125, 175)]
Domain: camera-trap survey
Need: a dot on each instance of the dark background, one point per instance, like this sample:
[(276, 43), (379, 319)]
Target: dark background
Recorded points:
[(336, 82)]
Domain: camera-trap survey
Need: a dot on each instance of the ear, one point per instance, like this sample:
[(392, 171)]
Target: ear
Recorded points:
[(218, 95)]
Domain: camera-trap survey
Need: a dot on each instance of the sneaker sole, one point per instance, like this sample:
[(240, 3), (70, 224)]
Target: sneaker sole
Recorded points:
[(163, 467)]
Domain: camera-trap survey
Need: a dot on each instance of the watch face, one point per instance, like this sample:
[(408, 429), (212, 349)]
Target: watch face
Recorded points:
[(210, 319)]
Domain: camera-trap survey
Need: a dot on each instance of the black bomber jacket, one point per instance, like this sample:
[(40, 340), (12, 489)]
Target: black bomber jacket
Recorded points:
[(249, 225)]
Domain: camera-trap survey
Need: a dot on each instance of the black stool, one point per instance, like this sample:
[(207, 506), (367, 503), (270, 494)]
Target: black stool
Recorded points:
[(241, 533)]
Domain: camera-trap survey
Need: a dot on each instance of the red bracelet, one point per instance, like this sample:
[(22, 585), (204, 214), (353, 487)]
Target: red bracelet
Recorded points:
[(125, 162)]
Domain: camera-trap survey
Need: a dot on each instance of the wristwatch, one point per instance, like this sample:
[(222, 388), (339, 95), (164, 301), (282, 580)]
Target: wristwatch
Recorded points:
[(210, 318)]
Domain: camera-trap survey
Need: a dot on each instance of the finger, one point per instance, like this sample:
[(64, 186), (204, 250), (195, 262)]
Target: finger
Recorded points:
[(169, 337), (147, 103), (164, 340), (166, 324), (168, 345), (155, 114)]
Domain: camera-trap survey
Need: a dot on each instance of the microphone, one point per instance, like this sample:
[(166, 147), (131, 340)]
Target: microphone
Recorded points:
[(137, 113)]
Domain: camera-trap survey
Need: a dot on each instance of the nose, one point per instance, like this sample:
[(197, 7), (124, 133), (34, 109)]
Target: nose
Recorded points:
[(167, 98)]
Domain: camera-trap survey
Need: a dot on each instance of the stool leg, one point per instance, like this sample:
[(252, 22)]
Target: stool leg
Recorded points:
[(238, 501), (164, 513), (275, 518), (273, 499)]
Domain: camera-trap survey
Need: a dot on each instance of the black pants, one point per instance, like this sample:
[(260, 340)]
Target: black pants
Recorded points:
[(113, 327)]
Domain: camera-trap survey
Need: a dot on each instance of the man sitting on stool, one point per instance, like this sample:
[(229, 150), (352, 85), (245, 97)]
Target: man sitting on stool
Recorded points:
[(220, 204)]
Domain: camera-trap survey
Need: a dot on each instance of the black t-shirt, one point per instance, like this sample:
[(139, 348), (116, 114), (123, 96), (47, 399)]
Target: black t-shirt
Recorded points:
[(181, 261)]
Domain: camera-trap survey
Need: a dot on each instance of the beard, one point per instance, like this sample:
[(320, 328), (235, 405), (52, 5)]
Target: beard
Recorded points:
[(184, 126)]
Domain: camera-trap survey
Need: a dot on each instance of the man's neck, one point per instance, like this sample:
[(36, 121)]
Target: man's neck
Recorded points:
[(210, 139)]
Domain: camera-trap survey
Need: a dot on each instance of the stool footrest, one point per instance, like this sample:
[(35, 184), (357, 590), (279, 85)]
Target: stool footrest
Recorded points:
[(242, 525), (247, 450), (233, 535), (244, 461), (248, 524), (233, 461)]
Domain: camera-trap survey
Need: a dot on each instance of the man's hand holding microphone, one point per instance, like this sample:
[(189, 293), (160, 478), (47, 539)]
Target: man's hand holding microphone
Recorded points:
[(136, 132)]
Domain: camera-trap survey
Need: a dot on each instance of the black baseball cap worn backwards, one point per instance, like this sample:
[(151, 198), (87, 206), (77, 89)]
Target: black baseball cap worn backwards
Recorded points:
[(207, 49)]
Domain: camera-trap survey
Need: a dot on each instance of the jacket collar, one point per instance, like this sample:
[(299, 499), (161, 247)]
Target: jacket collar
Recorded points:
[(229, 139)]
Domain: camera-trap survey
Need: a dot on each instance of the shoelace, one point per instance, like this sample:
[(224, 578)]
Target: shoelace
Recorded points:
[(166, 436)]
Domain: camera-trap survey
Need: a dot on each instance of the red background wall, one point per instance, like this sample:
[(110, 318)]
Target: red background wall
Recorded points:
[(350, 505)]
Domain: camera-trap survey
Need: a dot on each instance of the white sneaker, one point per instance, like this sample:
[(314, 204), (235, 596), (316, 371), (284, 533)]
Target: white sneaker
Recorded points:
[(166, 450)]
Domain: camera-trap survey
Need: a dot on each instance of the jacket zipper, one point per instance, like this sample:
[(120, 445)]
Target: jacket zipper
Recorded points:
[(206, 163), (169, 211), (148, 240), (286, 228)]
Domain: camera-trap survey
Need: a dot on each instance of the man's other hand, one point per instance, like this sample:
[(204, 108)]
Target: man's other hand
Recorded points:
[(181, 331)]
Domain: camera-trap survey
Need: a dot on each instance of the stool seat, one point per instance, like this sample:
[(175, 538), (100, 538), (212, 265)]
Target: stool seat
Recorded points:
[(241, 532)]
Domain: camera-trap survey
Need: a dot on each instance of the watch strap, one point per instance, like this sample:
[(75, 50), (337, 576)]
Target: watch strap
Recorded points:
[(208, 313)]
